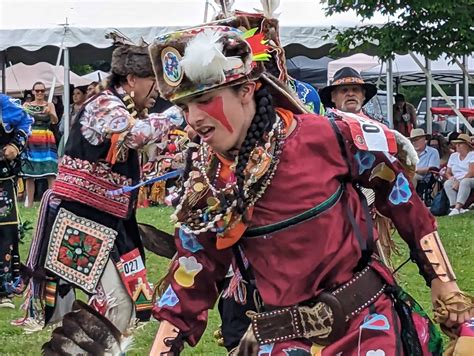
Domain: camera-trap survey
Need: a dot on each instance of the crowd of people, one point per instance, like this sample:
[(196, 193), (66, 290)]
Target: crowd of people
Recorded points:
[(242, 142)]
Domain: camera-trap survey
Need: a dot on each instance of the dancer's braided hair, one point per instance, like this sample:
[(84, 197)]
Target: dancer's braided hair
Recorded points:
[(188, 166), (261, 124)]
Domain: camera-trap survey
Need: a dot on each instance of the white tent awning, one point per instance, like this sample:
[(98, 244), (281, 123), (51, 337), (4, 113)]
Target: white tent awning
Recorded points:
[(360, 62), (407, 72), (20, 77), (96, 76)]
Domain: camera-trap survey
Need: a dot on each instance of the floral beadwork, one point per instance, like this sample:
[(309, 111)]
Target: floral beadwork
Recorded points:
[(79, 249)]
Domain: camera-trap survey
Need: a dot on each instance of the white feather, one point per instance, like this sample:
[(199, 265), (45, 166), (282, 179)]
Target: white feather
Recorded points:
[(405, 144), (203, 60), (269, 7)]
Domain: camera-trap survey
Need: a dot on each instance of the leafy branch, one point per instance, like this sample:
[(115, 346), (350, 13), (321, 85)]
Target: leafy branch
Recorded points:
[(429, 27)]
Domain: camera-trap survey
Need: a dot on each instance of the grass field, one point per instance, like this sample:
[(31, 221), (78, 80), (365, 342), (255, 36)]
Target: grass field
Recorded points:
[(457, 234)]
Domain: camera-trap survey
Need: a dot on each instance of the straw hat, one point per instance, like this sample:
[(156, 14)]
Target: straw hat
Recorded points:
[(463, 138), (415, 133)]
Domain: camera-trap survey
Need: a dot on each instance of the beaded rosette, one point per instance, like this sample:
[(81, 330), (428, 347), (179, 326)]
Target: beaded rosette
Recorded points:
[(209, 204)]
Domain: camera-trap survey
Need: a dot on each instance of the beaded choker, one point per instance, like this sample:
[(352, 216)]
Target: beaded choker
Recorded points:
[(217, 213)]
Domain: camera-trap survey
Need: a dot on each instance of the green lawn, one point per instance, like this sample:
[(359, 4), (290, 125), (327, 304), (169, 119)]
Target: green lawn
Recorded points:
[(457, 234)]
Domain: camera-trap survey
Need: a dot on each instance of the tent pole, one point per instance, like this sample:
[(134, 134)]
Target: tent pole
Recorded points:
[(443, 94), (465, 82), (206, 7), (429, 117), (4, 71), (457, 105), (53, 84), (389, 82), (464, 68), (66, 94)]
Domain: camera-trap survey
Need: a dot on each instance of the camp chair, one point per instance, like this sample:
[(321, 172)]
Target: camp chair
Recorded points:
[(429, 186)]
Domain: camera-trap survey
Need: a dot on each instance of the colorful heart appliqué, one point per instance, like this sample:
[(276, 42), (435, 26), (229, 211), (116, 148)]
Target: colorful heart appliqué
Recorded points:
[(169, 298), (383, 172), (401, 192), (375, 322), (365, 160), (189, 241), (189, 267)]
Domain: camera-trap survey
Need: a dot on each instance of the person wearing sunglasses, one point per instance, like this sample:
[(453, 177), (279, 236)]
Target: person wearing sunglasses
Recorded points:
[(41, 151)]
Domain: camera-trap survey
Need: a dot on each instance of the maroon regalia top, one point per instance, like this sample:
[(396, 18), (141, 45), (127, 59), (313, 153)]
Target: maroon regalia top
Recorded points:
[(296, 263)]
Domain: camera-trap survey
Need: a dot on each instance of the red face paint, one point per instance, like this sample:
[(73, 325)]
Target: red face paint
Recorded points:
[(215, 109)]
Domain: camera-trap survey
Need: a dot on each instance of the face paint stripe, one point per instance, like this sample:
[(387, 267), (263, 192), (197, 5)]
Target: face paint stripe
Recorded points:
[(215, 109)]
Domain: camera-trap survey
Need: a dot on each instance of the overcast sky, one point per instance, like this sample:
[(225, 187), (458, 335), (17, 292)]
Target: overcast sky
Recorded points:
[(136, 13)]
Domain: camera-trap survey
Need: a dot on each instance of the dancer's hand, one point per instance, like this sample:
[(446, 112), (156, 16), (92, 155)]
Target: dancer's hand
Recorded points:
[(10, 152), (451, 306)]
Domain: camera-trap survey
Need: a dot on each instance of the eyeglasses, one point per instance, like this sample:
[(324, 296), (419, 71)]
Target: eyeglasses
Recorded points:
[(39, 90)]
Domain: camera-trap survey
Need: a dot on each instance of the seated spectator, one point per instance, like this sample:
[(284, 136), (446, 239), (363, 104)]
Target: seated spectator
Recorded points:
[(460, 174), (440, 143), (428, 156)]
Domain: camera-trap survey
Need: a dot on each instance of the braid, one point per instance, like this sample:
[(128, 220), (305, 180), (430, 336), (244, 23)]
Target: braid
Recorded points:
[(261, 124), (188, 165)]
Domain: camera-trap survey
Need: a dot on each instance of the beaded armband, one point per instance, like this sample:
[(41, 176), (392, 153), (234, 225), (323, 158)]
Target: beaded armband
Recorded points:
[(434, 251)]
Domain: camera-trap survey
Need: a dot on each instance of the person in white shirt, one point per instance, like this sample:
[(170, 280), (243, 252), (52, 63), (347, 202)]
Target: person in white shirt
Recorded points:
[(460, 174)]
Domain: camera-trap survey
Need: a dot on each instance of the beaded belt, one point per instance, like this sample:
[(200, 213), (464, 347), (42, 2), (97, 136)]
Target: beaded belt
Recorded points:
[(88, 183), (325, 320)]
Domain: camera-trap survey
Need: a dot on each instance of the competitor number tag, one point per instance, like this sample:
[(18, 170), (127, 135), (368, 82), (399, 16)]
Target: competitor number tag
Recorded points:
[(133, 266), (369, 135)]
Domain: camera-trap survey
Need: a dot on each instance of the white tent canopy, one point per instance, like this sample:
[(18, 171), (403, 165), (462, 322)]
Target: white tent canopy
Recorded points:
[(20, 77), (88, 43), (360, 62), (302, 25), (96, 76), (407, 72)]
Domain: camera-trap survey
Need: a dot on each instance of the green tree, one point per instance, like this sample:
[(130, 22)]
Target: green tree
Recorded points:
[(82, 69), (429, 27)]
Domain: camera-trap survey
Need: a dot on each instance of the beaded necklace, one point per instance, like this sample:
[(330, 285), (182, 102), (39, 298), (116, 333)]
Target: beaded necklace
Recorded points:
[(217, 213), (121, 151)]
